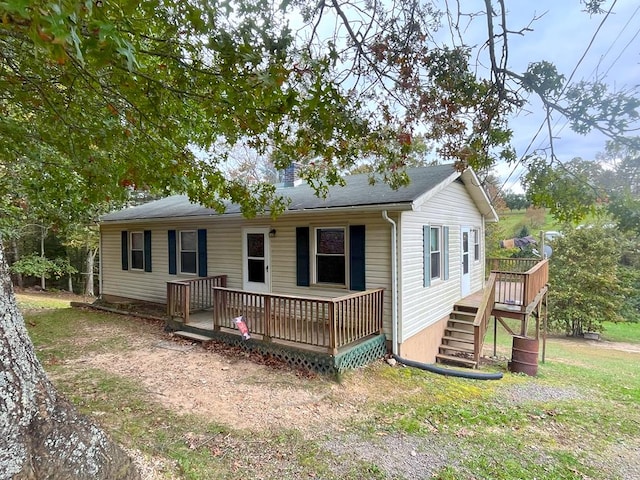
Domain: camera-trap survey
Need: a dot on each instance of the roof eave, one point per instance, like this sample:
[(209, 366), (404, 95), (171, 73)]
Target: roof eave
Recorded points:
[(479, 195), (317, 210)]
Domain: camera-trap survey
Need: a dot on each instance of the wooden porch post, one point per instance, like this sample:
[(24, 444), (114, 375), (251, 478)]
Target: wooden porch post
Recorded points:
[(186, 300), (267, 317), (333, 349), (218, 308), (170, 301)]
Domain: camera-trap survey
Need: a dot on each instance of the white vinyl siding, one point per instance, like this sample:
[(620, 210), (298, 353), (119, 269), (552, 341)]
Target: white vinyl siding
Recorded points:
[(421, 307), (224, 255)]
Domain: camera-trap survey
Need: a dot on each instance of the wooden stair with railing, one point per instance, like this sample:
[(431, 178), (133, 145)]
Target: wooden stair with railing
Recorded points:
[(458, 342), (463, 337)]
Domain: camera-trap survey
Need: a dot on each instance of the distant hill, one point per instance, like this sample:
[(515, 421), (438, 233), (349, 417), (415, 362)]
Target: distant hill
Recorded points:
[(534, 219)]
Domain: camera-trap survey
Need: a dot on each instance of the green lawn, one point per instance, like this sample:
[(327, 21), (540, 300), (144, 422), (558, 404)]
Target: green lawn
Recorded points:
[(578, 419), (621, 332), (512, 221)]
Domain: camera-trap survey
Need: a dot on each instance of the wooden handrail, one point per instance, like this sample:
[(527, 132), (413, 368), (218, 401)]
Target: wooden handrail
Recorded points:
[(520, 288), (536, 279), (483, 315), (318, 321), (512, 265), (191, 294)]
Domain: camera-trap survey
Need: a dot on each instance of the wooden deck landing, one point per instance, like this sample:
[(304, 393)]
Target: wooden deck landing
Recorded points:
[(503, 289)]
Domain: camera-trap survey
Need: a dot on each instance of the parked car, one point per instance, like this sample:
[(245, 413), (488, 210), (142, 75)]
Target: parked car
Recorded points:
[(552, 235)]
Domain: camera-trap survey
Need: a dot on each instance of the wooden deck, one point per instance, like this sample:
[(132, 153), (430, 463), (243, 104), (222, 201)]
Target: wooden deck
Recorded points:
[(310, 323)]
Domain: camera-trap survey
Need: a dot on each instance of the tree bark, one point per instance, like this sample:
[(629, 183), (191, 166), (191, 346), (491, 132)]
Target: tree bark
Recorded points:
[(91, 256), (42, 436), (16, 257)]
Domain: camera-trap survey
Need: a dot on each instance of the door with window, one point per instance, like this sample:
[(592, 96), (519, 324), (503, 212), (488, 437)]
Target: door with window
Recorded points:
[(256, 271), (465, 277)]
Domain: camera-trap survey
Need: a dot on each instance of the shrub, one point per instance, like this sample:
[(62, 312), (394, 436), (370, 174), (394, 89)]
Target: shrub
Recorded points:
[(37, 266), (585, 287)]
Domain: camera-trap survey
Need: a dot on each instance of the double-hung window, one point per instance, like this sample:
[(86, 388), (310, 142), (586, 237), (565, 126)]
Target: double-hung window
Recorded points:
[(435, 247), (475, 238), (436, 253), (137, 251), (330, 261), (188, 251)]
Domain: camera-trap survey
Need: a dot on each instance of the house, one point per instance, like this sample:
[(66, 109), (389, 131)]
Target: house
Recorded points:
[(366, 262)]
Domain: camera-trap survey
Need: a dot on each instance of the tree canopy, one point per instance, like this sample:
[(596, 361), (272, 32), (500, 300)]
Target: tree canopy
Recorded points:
[(100, 97)]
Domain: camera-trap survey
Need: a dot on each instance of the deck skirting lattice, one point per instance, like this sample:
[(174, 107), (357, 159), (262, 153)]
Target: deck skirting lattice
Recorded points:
[(361, 354), (355, 356)]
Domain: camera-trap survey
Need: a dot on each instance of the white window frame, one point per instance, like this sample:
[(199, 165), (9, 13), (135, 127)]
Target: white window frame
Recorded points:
[(345, 231), (437, 252), (475, 233), (132, 250), (181, 250)]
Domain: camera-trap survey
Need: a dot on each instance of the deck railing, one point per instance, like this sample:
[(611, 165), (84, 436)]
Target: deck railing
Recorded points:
[(483, 316), (517, 287), (322, 322), (514, 265), (191, 295)]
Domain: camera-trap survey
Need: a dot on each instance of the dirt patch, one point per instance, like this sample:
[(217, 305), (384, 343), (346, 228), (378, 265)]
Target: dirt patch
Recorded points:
[(231, 391), (249, 392), (37, 292), (604, 344)]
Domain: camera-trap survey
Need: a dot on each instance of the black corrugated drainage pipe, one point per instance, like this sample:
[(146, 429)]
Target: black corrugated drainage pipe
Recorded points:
[(430, 367)]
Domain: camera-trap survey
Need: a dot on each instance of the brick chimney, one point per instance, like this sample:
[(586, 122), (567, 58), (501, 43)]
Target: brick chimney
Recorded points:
[(291, 175)]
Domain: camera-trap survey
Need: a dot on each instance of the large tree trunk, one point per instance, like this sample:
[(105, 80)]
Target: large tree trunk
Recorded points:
[(42, 436), (16, 257), (91, 256)]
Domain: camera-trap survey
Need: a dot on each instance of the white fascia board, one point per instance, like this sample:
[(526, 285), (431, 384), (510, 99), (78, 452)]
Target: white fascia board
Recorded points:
[(479, 196)]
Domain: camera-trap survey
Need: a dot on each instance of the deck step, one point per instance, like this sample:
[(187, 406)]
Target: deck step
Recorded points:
[(464, 314), (193, 336), (465, 309), (458, 330), (468, 323), (459, 340), (453, 348), (441, 357)]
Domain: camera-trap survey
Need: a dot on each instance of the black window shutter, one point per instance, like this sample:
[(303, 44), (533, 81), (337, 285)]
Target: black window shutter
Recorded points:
[(302, 256), (147, 250), (202, 252), (124, 249), (356, 257), (173, 266)]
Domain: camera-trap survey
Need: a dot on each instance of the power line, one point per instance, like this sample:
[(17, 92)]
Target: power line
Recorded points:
[(622, 30), (573, 72)]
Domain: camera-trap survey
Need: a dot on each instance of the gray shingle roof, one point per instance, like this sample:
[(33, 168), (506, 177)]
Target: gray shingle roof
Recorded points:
[(356, 192)]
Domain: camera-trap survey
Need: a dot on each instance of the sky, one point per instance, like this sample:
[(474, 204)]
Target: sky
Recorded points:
[(561, 36)]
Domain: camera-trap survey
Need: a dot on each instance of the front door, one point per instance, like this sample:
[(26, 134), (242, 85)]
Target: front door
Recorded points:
[(256, 272), (465, 277)]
